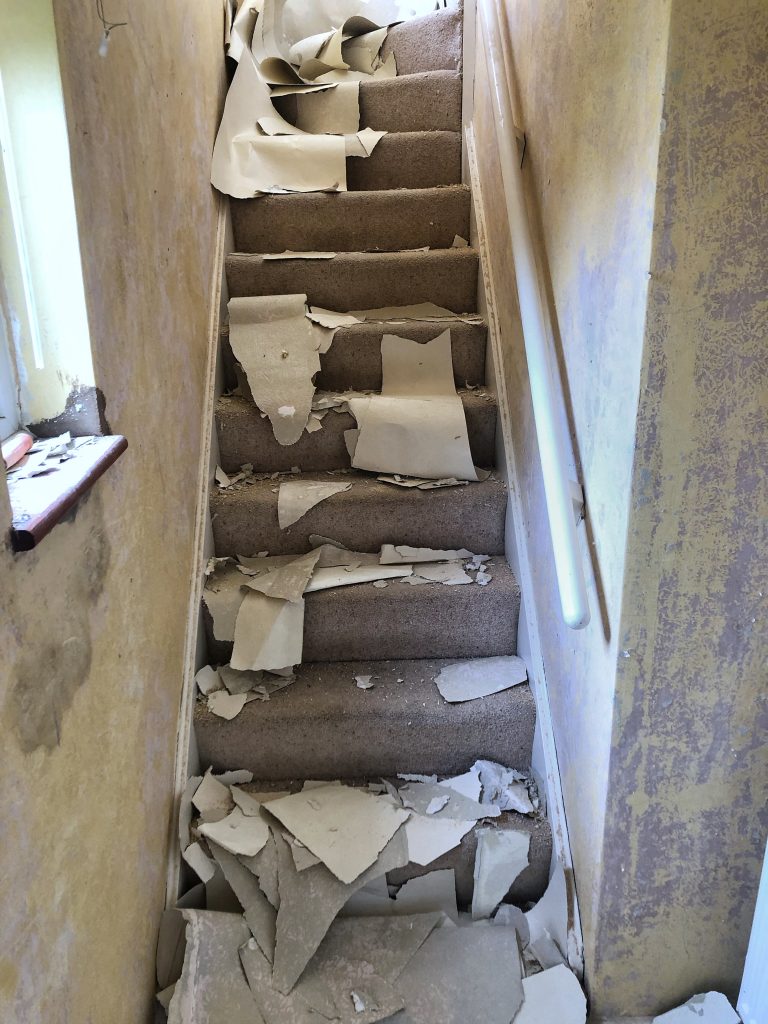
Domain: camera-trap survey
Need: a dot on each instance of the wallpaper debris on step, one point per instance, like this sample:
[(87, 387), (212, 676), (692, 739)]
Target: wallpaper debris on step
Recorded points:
[(294, 919), (318, 54)]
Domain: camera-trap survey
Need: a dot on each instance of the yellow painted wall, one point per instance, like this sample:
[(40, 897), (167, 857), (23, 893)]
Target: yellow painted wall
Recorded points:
[(92, 623), (586, 86), (687, 815), (646, 169)]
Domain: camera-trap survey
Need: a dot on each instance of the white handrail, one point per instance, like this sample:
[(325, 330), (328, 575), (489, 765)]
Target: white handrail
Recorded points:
[(544, 396)]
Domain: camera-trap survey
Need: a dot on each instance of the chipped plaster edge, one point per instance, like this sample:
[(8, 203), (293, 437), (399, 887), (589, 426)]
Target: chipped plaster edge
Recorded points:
[(186, 749), (529, 647)]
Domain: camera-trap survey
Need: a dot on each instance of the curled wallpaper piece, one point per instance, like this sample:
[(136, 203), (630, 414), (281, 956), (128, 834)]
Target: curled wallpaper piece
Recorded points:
[(329, 318), (324, 579), (502, 854), (289, 254), (296, 497), (241, 31), (287, 582), (480, 677), (363, 143), (335, 111), (556, 995), (269, 633), (361, 52), (416, 426), (278, 348), (246, 161), (212, 986), (298, 19), (257, 150), (392, 554), (346, 828), (418, 311), (239, 833)]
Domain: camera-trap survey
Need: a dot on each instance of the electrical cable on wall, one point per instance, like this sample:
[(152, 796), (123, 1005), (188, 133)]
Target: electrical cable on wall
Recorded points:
[(108, 26)]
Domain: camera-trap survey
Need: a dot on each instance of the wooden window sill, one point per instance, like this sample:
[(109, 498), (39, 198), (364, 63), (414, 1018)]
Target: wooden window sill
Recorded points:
[(39, 502)]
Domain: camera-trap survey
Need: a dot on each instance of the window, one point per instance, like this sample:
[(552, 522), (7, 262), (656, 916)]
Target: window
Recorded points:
[(46, 352), (46, 370)]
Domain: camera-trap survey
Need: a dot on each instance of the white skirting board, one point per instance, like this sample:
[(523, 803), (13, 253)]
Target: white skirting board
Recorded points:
[(753, 998), (544, 765), (187, 760)]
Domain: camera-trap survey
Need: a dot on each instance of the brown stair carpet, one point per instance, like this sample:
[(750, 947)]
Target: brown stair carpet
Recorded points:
[(406, 196)]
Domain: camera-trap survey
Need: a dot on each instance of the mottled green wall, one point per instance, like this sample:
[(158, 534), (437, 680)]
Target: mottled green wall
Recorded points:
[(92, 622), (687, 819)]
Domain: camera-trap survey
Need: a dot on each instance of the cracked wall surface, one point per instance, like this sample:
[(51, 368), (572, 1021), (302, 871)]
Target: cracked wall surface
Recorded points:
[(92, 622)]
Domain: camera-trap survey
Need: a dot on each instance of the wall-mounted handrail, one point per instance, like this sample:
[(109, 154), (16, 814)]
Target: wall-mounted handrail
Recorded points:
[(544, 391)]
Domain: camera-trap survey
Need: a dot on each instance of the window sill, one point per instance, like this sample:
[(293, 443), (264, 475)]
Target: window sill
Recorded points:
[(39, 502)]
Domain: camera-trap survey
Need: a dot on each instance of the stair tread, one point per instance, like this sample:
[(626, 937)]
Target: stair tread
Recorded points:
[(408, 160), (429, 621), (376, 220), (424, 101), (394, 727), (366, 516), (432, 42), (246, 437), (363, 280)]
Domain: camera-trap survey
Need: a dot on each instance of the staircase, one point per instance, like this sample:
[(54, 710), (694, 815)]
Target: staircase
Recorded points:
[(407, 195)]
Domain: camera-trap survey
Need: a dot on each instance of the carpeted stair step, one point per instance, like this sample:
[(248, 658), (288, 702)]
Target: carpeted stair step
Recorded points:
[(363, 518), (430, 43), (404, 621), (354, 359), (403, 726), (529, 885), (363, 280), (353, 362), (408, 160), (245, 436), (429, 101), (352, 221), (426, 102)]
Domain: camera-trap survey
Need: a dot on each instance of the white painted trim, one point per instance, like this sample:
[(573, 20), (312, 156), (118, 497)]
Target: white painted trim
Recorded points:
[(468, 80), (545, 385), (517, 555), (753, 998), (186, 749)]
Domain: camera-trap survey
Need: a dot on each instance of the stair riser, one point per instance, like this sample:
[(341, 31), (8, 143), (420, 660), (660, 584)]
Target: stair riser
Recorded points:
[(363, 518), (354, 743), (431, 43), (429, 102), (408, 160), (401, 621), (351, 221), (245, 436), (529, 886), (353, 362), (363, 281), (354, 359)]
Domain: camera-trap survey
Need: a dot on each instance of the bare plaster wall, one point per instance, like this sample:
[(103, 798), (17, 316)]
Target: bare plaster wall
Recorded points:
[(586, 83), (92, 622), (688, 791)]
